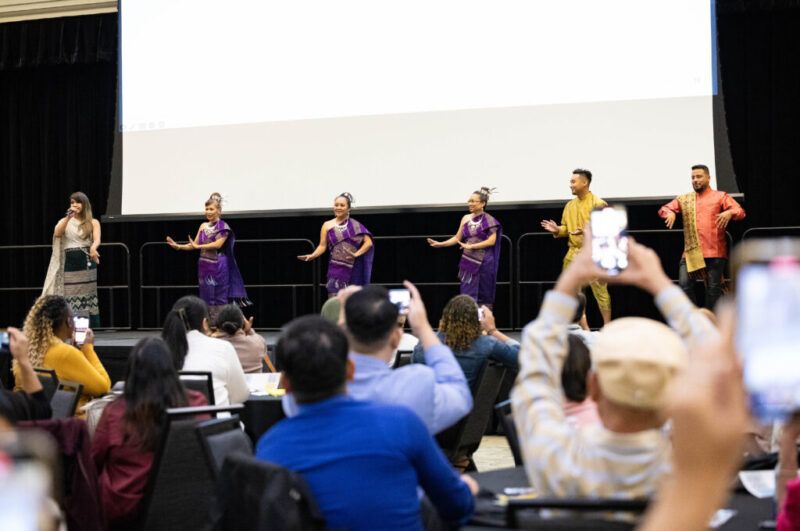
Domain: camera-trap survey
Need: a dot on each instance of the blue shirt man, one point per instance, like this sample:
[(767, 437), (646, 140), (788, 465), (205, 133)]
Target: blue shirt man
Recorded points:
[(362, 461)]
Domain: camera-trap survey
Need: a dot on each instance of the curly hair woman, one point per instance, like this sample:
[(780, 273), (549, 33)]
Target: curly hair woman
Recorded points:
[(461, 329), (48, 327)]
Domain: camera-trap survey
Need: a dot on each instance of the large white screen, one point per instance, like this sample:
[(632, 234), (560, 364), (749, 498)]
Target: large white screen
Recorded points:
[(282, 105)]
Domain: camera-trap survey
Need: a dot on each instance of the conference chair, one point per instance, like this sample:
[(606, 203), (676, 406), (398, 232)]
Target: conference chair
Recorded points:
[(201, 381), (49, 381), (503, 410), (181, 484), (65, 399), (464, 438), (221, 438)]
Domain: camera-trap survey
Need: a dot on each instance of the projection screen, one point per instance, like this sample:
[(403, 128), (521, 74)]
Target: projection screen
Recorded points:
[(281, 105)]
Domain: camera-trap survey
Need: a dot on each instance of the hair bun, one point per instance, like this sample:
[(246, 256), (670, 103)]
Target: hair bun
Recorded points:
[(488, 191), (216, 196), (349, 197)]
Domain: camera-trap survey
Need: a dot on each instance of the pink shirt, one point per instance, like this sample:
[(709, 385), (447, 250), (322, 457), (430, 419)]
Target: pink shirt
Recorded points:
[(582, 413), (710, 203), (789, 517)]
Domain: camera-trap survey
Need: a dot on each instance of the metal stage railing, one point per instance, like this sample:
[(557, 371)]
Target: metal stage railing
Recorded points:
[(770, 232), (159, 289), (108, 314), (507, 257)]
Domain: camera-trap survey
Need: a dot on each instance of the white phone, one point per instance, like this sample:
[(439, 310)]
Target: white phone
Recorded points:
[(81, 326), (401, 298), (610, 239)]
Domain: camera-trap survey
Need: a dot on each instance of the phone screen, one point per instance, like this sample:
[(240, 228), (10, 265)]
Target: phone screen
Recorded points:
[(401, 298), (609, 239), (5, 341), (81, 325), (768, 304), (480, 314)]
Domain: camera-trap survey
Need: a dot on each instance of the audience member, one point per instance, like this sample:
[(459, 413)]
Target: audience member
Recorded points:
[(331, 309), (31, 404), (186, 332), (634, 361), (48, 326), (362, 460), (578, 407), (437, 391), (708, 409), (576, 328), (250, 347), (461, 329), (128, 431), (787, 484)]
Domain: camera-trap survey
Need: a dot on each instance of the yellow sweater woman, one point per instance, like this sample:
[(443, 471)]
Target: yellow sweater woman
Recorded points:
[(48, 324)]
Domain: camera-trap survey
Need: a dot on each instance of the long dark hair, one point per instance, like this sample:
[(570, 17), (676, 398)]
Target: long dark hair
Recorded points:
[(576, 366), (230, 319), (187, 314), (151, 386)]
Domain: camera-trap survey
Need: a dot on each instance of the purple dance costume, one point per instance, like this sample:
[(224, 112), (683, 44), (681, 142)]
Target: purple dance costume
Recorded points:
[(344, 269), (477, 269), (218, 275)]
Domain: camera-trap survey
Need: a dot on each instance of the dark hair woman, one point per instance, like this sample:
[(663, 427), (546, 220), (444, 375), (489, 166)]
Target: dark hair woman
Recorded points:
[(250, 347), (130, 427), (186, 332)]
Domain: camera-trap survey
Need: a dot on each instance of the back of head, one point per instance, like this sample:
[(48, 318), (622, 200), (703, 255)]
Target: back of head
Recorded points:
[(331, 309), (460, 324), (576, 368), (636, 360), (151, 386), (581, 307), (230, 319), (46, 315), (187, 314), (371, 317), (312, 352)]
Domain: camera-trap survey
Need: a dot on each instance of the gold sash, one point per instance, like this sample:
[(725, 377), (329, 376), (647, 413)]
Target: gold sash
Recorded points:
[(695, 264)]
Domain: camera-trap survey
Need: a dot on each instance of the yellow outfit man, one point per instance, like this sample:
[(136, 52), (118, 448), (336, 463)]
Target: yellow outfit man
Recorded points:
[(574, 218)]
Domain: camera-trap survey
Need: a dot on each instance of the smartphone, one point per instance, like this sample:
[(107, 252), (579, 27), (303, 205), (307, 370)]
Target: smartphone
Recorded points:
[(5, 340), (768, 307), (610, 239), (81, 325), (480, 314), (400, 298)]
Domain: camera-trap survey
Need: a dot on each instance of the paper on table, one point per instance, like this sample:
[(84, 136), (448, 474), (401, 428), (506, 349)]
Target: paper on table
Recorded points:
[(720, 517), (262, 382), (759, 483)]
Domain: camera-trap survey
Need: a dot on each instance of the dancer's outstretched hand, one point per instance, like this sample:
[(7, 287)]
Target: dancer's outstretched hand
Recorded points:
[(434, 243), (550, 226)]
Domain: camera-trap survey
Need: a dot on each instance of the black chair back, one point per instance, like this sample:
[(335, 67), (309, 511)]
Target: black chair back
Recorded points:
[(200, 381), (464, 437), (65, 399), (221, 438), (180, 486), (256, 495), (401, 359), (503, 410), (49, 381), (6, 376)]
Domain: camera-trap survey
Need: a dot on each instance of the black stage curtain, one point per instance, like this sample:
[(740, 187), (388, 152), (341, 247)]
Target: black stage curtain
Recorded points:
[(759, 50), (57, 108)]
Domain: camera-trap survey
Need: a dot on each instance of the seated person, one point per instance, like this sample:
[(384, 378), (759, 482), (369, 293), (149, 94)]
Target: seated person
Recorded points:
[(460, 329), (363, 461), (578, 406), (633, 362), (186, 333), (576, 328), (48, 326), (437, 391), (250, 347), (787, 489), (31, 403), (131, 425)]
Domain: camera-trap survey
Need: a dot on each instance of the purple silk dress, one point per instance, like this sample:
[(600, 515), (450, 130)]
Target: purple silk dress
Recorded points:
[(477, 269), (218, 275), (343, 269)]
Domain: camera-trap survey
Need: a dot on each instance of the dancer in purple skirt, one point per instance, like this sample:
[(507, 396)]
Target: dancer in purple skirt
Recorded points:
[(218, 275), (479, 236), (351, 248)]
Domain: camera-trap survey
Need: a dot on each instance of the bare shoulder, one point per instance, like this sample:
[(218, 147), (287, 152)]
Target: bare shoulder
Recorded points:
[(95, 223)]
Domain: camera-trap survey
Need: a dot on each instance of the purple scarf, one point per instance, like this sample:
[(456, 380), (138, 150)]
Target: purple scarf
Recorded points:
[(472, 259), (343, 268)]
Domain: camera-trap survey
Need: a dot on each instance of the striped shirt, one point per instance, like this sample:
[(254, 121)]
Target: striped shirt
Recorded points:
[(563, 460)]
